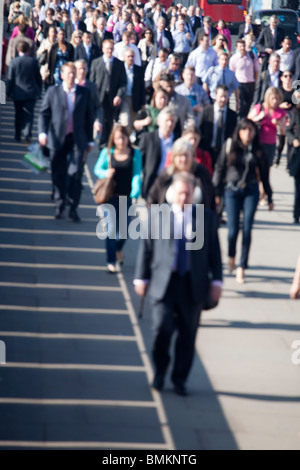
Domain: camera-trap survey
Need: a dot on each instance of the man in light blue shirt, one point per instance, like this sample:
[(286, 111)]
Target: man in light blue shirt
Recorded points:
[(221, 75), (202, 58)]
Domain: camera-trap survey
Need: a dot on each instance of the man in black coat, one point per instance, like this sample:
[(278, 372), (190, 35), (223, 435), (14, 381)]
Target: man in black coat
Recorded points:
[(207, 29), (74, 24), (269, 77), (24, 87), (66, 128), (134, 97), (195, 21), (179, 277), (217, 123), (270, 40), (86, 50), (100, 34), (110, 77), (248, 27), (155, 146)]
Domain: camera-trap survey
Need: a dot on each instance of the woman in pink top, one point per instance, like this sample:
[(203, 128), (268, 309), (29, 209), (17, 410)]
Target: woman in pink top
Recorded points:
[(270, 117), (221, 27), (29, 31)]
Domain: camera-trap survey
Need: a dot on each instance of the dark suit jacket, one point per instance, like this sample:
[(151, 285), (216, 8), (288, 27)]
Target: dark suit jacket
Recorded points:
[(80, 53), (98, 41), (254, 30), (197, 24), (263, 83), (151, 152), (206, 126), (24, 79), (118, 78), (266, 40), (155, 261), (138, 88), (69, 28), (54, 117), (169, 37), (95, 99), (199, 32)]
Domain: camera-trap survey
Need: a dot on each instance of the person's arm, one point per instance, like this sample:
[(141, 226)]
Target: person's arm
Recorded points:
[(295, 288), (136, 183), (101, 167)]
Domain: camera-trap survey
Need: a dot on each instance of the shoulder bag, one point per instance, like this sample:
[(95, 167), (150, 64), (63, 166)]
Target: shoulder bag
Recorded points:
[(104, 188)]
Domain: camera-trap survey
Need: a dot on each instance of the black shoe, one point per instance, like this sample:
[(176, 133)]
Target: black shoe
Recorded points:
[(296, 221), (181, 390), (158, 382), (17, 138), (74, 216)]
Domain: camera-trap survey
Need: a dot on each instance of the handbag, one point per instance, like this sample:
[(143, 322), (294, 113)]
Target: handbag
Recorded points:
[(104, 188), (294, 165), (45, 72)]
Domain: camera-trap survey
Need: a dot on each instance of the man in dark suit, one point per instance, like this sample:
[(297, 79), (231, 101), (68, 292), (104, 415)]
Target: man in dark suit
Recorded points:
[(163, 36), (179, 279), (217, 123), (74, 24), (81, 80), (267, 78), (270, 40), (100, 34), (155, 146), (66, 128), (134, 98), (24, 86), (195, 21), (247, 27), (110, 77), (86, 50), (207, 29)]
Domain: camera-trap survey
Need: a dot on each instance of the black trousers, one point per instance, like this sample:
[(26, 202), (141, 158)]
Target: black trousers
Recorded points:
[(67, 182), (177, 311), (246, 98), (24, 113), (297, 198)]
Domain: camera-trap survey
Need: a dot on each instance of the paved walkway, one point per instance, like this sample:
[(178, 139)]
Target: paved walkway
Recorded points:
[(78, 364)]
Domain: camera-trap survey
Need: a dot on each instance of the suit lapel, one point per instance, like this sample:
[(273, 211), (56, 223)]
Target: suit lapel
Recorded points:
[(63, 101)]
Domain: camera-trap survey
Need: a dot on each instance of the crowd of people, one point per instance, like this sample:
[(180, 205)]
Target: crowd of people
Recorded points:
[(160, 75), (153, 89)]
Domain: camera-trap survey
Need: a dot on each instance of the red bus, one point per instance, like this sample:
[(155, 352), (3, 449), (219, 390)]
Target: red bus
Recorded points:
[(231, 11)]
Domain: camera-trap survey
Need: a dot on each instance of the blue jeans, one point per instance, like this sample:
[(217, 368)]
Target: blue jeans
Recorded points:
[(237, 201), (117, 234)]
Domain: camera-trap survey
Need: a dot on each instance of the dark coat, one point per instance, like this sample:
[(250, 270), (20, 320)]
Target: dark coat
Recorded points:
[(118, 78), (254, 29), (266, 40), (157, 193), (199, 32), (80, 53), (54, 117), (206, 125), (69, 28), (155, 261), (138, 88), (24, 79), (263, 83), (98, 41)]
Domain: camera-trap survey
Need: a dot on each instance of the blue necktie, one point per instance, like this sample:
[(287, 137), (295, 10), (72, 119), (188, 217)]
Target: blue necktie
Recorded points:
[(181, 253)]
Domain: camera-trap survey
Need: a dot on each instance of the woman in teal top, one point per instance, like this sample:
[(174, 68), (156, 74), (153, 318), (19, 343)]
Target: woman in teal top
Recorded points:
[(126, 169)]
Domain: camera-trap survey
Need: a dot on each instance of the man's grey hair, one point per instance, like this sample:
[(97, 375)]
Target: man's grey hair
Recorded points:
[(167, 111)]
